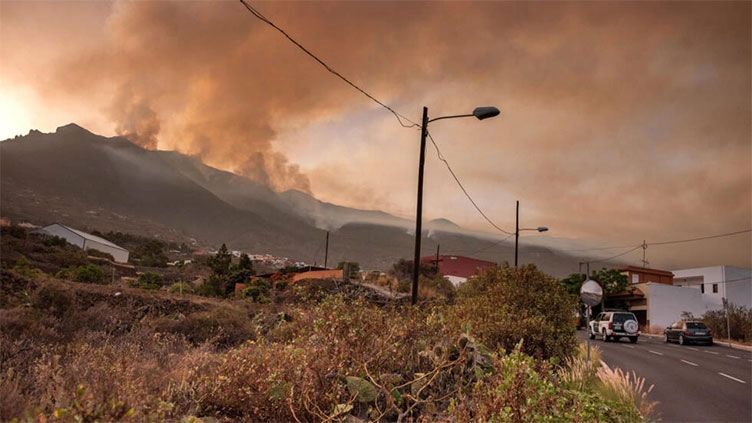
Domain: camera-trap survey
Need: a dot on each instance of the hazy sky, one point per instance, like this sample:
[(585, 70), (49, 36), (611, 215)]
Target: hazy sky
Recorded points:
[(620, 121)]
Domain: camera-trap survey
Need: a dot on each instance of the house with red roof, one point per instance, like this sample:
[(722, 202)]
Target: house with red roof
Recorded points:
[(457, 268)]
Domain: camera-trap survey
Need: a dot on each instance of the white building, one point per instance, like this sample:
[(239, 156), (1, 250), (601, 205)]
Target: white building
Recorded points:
[(717, 283), (85, 241)]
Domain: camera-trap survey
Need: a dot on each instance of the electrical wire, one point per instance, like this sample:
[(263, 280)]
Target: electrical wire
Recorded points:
[(662, 242), (396, 114), (701, 238), (618, 255), (441, 157)]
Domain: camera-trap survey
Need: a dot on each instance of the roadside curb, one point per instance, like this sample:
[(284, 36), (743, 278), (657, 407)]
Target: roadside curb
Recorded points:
[(723, 342)]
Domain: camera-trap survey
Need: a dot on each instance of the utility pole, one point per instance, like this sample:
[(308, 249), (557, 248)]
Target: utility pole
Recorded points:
[(419, 212), (644, 251), (516, 233), (326, 253), (437, 257)]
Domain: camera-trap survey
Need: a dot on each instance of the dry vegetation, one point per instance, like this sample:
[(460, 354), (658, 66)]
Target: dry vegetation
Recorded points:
[(319, 352)]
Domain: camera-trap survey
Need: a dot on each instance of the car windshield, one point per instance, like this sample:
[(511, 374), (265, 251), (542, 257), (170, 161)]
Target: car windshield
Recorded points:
[(623, 317), (696, 325)]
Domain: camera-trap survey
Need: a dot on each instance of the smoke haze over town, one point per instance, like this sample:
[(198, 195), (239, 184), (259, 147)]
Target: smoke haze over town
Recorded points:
[(620, 122)]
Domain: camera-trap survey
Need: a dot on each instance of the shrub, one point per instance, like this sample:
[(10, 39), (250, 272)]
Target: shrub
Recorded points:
[(739, 319), (55, 241), (97, 253), (180, 287), (52, 299), (404, 285), (90, 273), (23, 268), (524, 390), (257, 291), (149, 280), (505, 305)]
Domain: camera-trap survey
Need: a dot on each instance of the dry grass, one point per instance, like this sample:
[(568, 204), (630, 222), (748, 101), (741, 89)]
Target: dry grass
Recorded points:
[(626, 387)]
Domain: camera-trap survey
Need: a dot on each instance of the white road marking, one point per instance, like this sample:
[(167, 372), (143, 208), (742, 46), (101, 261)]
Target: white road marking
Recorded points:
[(731, 377), (655, 352), (693, 349), (732, 356), (690, 363), (629, 346), (711, 352)]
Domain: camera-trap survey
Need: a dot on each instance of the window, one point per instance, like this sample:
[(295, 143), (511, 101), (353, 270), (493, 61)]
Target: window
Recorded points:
[(702, 288), (715, 288), (635, 278)]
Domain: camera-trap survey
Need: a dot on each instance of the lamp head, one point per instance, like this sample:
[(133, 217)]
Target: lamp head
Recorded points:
[(485, 112), (542, 229)]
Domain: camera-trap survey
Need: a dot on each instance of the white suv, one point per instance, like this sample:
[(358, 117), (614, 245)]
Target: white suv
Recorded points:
[(613, 325)]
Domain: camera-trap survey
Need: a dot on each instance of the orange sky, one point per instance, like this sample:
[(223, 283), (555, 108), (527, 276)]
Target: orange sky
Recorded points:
[(620, 121)]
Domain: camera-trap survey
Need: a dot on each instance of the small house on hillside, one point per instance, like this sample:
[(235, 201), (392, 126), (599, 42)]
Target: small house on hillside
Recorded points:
[(458, 268), (85, 241)]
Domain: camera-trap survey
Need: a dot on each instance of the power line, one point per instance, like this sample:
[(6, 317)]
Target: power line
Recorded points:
[(441, 157), (662, 242), (618, 255), (396, 114), (701, 238)]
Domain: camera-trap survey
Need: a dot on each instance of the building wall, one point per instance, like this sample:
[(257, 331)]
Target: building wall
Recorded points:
[(120, 256), (738, 292), (318, 274), (62, 232), (667, 302)]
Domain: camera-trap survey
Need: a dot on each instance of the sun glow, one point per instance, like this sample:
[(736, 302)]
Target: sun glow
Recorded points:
[(15, 116)]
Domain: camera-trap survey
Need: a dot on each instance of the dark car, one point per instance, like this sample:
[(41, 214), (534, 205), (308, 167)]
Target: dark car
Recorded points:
[(688, 331)]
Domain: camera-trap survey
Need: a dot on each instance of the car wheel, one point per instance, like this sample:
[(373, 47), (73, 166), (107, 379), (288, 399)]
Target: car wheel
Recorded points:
[(633, 339), (591, 335), (604, 337), (681, 339), (710, 344), (665, 337)]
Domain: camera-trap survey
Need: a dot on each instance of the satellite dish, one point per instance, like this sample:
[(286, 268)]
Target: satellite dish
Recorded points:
[(591, 293)]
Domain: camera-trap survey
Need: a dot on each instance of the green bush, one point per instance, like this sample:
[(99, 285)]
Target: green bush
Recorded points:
[(257, 291), (23, 268), (149, 280), (505, 305), (90, 273), (55, 241), (523, 390), (180, 287)]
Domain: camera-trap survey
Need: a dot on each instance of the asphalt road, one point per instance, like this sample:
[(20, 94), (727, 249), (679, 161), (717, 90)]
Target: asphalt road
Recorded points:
[(693, 383)]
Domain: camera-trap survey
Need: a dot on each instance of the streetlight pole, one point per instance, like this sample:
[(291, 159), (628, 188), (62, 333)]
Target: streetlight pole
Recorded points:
[(419, 218), (517, 232), (480, 113)]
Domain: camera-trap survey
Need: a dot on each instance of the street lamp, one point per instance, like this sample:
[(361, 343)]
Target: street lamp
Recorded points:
[(517, 232), (480, 113)]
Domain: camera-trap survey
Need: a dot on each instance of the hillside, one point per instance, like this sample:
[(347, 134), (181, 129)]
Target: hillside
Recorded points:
[(88, 181)]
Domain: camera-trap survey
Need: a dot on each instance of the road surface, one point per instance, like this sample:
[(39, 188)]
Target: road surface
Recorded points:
[(693, 383)]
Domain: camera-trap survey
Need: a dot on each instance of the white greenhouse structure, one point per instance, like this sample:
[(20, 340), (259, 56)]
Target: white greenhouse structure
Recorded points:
[(85, 241)]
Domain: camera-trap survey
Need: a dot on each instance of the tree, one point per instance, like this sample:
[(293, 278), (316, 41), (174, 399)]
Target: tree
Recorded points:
[(220, 263), (611, 280), (245, 263), (151, 254), (403, 269)]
